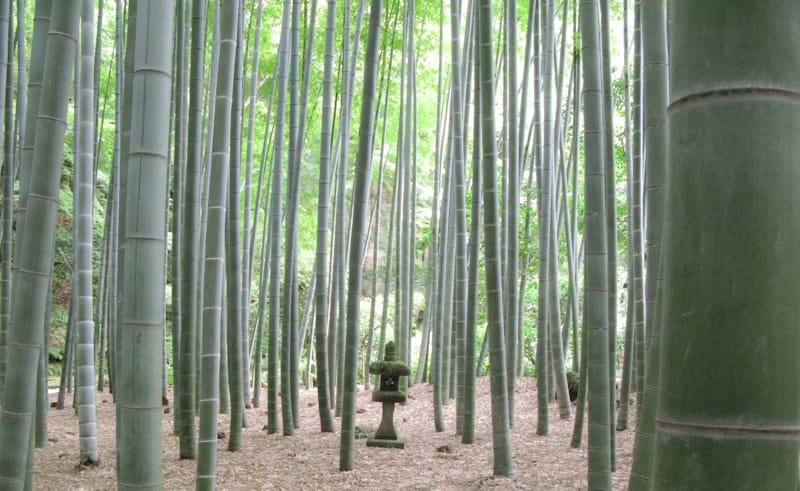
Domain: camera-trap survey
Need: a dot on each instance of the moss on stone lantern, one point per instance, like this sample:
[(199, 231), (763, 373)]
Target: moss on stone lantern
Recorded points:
[(390, 369)]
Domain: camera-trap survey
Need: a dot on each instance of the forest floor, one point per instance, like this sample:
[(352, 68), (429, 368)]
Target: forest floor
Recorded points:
[(310, 459)]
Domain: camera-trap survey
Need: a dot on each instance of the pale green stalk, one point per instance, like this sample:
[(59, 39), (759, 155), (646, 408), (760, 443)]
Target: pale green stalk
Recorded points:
[(215, 249), (596, 268), (358, 237), (501, 434), (32, 276), (84, 219)]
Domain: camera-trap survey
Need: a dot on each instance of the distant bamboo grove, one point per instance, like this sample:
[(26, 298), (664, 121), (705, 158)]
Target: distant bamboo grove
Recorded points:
[(598, 193)]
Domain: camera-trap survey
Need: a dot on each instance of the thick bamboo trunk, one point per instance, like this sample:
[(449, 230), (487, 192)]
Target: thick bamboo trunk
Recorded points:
[(84, 173), (730, 276), (596, 274), (500, 416), (215, 248), (360, 198), (32, 278), (142, 326)]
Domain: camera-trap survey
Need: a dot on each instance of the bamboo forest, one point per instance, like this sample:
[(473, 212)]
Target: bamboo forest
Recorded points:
[(399, 244)]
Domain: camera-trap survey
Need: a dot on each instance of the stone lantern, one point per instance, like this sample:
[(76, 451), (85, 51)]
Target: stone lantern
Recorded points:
[(390, 369)]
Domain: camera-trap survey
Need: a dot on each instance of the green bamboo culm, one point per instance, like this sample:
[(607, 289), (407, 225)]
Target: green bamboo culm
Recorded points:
[(611, 220), (439, 233), (22, 76), (29, 125), (7, 180), (358, 235), (297, 128), (511, 276), (233, 257), (142, 327), (224, 386), (468, 428), (121, 230), (459, 209), (640, 348), (384, 93), (84, 172), (275, 229), (628, 356), (336, 317), (288, 324), (580, 410), (177, 183), (215, 248), (542, 372), (113, 266), (654, 114), (248, 240), (321, 292), (501, 434), (596, 268), (41, 30), (210, 110), (655, 90), (523, 152), (731, 279), (32, 278), (190, 245), (549, 174), (438, 362), (404, 296)]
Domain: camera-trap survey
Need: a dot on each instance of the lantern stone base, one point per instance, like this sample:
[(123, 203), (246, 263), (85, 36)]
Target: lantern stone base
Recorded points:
[(398, 442)]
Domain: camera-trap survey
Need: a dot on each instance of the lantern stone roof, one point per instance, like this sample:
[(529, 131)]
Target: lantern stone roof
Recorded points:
[(390, 366)]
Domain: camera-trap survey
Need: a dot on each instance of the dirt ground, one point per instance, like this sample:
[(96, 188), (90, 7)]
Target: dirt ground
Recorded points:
[(309, 459)]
